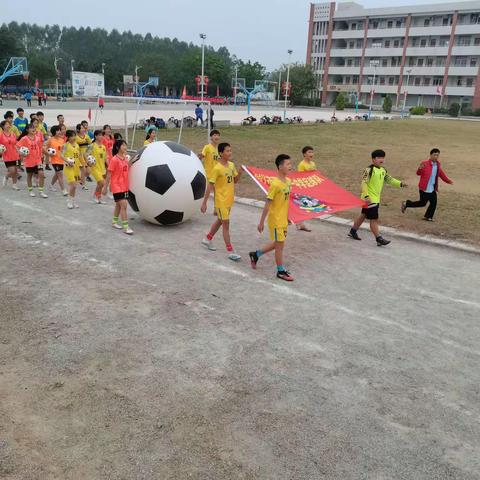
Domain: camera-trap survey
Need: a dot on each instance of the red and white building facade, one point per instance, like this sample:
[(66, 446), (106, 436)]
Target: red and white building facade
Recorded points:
[(430, 53)]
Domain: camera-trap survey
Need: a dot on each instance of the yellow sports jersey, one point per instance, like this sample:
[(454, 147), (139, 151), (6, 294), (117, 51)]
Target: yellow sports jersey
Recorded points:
[(223, 178), (279, 194), (83, 143), (210, 158), (100, 154), (305, 166), (72, 151)]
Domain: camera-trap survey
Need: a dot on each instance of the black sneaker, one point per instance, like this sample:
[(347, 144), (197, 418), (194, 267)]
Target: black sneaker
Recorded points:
[(21, 168), (253, 259), (48, 167), (353, 234), (89, 179), (284, 275), (382, 242)]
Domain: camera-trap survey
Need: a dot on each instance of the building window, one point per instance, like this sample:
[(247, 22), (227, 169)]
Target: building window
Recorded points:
[(418, 81), (469, 82), (438, 81), (354, 26), (398, 24), (426, 82), (476, 42), (384, 62), (387, 44), (349, 62), (355, 79), (391, 80), (459, 81), (473, 62), (411, 62), (382, 81), (429, 62), (433, 42), (420, 62), (445, 21), (390, 24), (374, 25), (426, 22), (347, 80), (474, 18), (351, 44), (461, 62), (423, 42)]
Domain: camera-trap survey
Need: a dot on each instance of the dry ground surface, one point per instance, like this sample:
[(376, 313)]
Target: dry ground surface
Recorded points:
[(343, 151), (151, 358)]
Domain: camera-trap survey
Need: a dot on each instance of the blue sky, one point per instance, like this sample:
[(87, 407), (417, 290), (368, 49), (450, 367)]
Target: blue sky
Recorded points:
[(261, 30)]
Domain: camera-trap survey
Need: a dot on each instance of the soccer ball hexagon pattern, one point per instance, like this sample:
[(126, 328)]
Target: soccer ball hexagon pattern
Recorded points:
[(51, 151), (24, 151), (167, 183), (3, 149)]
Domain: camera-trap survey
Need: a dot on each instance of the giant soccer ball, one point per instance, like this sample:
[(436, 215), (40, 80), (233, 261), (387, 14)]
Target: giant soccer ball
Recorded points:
[(167, 183)]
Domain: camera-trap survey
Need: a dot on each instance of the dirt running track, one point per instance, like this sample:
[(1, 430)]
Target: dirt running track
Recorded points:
[(152, 358)]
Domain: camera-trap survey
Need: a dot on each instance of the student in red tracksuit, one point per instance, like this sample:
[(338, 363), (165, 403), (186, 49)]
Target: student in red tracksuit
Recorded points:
[(429, 171)]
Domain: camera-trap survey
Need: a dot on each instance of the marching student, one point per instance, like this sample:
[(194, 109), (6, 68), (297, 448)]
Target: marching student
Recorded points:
[(276, 207), (83, 141), (98, 170), (151, 137), (117, 177), (373, 180), (33, 159), (56, 142), (222, 181), (10, 156), (71, 158), (306, 165)]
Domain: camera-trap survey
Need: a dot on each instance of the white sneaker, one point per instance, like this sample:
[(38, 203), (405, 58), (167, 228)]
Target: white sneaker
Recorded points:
[(43, 195), (102, 202), (234, 256), (32, 193), (69, 204), (208, 244), (96, 200), (65, 193), (75, 204), (117, 226), (52, 188), (5, 181), (84, 187), (128, 231), (15, 187), (110, 196)]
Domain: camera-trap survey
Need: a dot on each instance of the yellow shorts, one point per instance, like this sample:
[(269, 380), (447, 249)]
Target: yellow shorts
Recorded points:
[(223, 213), (97, 173), (72, 174), (278, 234)]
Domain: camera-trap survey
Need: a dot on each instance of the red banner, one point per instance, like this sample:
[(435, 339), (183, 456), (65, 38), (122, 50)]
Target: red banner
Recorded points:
[(312, 194)]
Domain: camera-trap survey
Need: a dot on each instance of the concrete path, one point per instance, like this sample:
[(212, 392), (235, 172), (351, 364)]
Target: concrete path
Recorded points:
[(149, 357)]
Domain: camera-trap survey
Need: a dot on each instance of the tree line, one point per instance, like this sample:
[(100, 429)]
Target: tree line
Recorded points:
[(175, 62)]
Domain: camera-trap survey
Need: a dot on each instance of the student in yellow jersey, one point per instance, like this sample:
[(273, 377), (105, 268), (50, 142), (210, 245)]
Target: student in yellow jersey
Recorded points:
[(306, 165), (209, 155), (222, 179), (98, 169), (83, 141), (276, 207), (151, 137), (71, 158)]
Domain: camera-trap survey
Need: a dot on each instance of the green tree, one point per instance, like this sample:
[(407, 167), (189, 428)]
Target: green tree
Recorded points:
[(387, 104), (340, 101), (454, 109), (301, 78)]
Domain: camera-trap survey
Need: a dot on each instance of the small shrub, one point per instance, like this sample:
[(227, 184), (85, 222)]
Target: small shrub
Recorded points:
[(387, 104), (453, 109), (418, 110), (340, 102)]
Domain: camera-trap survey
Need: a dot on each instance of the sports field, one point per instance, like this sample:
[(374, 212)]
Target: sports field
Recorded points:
[(342, 151)]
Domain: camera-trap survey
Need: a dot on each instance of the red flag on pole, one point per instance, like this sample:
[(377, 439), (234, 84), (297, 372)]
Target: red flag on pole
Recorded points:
[(89, 116), (312, 194)]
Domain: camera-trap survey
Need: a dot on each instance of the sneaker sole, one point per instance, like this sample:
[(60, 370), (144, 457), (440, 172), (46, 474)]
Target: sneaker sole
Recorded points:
[(212, 249), (352, 237), (286, 279)]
